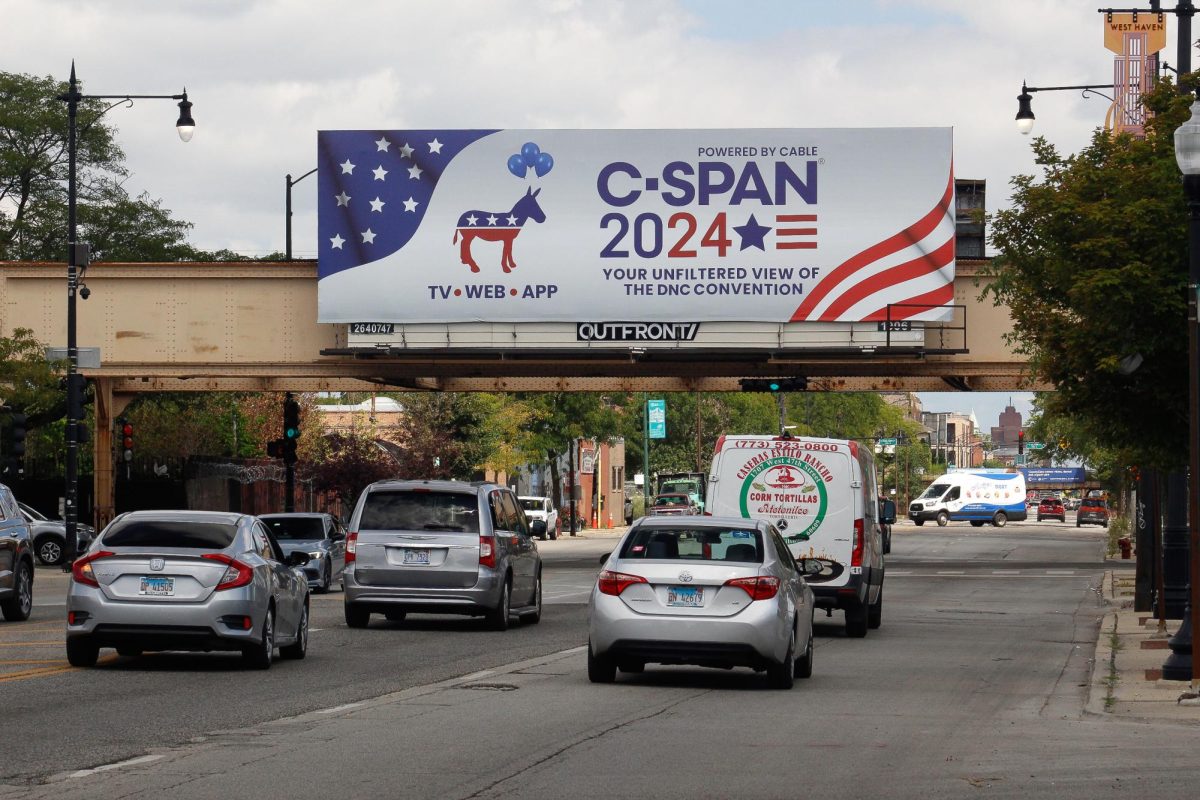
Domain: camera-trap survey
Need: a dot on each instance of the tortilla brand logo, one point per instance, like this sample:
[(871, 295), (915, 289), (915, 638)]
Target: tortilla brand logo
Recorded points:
[(786, 488)]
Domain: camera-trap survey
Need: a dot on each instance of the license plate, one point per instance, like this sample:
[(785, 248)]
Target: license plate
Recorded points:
[(416, 556), (688, 596), (164, 587)]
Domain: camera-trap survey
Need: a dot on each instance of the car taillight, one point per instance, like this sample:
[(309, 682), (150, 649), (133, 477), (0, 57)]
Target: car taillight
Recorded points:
[(856, 557), (487, 551), (616, 582), (236, 573), (81, 570), (351, 547), (760, 587)]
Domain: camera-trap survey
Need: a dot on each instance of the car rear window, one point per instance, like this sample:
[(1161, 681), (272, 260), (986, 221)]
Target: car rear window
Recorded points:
[(420, 510), (532, 503), (1093, 504), (295, 527), (171, 533), (695, 544)]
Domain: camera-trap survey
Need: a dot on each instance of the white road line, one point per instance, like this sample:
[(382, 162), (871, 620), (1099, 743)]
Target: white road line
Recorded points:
[(337, 709), (1006, 572), (1060, 572), (952, 572), (83, 773), (477, 675), (895, 572)]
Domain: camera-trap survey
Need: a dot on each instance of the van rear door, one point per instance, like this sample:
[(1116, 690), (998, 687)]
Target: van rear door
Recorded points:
[(419, 538)]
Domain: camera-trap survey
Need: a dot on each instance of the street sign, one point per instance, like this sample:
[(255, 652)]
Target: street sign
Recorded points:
[(89, 357), (888, 442), (1035, 445), (656, 418)]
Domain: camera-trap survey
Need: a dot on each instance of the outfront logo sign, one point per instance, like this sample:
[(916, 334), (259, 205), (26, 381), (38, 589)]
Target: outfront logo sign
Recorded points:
[(790, 489), (685, 226)]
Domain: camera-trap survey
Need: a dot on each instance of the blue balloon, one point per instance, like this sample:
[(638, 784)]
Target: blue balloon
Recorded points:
[(516, 165), (544, 164), (530, 152)]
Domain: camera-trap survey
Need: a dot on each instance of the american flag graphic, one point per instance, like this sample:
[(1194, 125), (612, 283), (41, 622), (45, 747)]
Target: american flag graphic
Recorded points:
[(912, 270), (374, 188)]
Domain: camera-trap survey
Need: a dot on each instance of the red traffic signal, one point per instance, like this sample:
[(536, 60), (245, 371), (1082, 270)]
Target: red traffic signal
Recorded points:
[(125, 429), (1020, 442)]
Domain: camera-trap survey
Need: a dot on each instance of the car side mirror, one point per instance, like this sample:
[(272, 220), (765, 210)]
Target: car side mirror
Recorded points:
[(604, 559), (887, 512), (297, 559)]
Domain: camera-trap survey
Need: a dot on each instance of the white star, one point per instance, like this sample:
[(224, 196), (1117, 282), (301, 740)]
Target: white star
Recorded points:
[(382, 144), (410, 205), (343, 199), (512, 220), (380, 172), (368, 236), (472, 219), (406, 151), (435, 146), (491, 218), (414, 172), (347, 167), (377, 205), (337, 241)]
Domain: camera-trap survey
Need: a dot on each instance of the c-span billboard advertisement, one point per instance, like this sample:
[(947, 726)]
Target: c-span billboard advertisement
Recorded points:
[(772, 225)]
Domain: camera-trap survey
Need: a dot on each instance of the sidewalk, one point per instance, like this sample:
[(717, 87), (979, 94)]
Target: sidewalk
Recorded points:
[(1127, 672)]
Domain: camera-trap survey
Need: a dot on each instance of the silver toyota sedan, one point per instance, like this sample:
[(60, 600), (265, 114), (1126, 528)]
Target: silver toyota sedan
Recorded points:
[(709, 591), (187, 580)]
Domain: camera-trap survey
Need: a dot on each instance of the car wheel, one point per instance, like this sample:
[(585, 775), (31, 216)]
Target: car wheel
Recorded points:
[(81, 652), (918, 522), (497, 618), (875, 612), (887, 543), (259, 654), (49, 550), (942, 519), (298, 649), (326, 578), (1106, 523), (1000, 520), (1078, 524), (804, 664), (535, 616), (856, 622), (357, 617), (552, 533), (18, 607), (600, 668), (783, 674)]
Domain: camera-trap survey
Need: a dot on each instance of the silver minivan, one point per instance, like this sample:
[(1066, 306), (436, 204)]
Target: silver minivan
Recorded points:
[(441, 547)]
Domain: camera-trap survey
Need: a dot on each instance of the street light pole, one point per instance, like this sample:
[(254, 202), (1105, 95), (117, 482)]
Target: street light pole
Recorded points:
[(288, 193), (76, 264)]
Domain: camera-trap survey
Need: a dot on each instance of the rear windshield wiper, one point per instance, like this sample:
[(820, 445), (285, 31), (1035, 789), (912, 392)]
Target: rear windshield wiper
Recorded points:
[(440, 526)]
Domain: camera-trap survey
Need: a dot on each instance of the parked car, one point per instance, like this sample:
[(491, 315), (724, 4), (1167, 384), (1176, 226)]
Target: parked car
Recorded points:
[(709, 591), (187, 580), (673, 505), (322, 536), (1051, 508), (543, 516), (50, 535), (441, 547), (1092, 511), (16, 560)]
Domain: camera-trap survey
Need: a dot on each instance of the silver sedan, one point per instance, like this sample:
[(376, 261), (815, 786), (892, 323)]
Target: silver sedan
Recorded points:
[(710, 591), (187, 580)]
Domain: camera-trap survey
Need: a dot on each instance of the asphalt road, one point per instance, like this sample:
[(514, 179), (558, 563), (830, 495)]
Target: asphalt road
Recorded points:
[(975, 682)]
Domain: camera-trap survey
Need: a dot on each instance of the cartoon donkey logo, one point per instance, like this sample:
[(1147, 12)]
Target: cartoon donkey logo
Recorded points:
[(493, 226)]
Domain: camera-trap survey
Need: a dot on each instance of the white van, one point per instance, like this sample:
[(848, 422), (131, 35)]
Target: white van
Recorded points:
[(977, 497), (821, 496)]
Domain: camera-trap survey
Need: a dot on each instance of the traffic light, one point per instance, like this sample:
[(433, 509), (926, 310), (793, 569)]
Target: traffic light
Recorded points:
[(774, 384), (291, 428), (1020, 442), (125, 439)]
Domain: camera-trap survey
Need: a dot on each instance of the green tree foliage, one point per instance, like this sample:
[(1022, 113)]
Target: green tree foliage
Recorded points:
[(30, 384), (346, 462), (683, 451), (557, 418), (1092, 264)]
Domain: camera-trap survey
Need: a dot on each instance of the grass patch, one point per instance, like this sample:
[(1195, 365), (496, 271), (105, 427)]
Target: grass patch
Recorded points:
[(1118, 527), (1113, 678)]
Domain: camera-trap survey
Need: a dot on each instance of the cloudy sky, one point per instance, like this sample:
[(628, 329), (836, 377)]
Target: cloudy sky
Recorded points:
[(266, 75)]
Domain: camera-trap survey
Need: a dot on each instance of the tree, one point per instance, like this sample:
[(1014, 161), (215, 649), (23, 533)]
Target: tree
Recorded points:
[(719, 414), (346, 462), (556, 419), (30, 384), (1092, 264)]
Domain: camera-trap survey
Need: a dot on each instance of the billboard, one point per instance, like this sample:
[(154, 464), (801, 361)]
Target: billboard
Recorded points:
[(635, 226), (1054, 474)]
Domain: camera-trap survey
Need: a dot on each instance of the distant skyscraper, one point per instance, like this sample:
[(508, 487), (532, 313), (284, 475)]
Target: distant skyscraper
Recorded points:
[(1009, 427)]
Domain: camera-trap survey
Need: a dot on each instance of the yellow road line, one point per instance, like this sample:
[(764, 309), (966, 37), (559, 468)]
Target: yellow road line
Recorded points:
[(36, 626), (28, 644), (43, 672), (8, 662)]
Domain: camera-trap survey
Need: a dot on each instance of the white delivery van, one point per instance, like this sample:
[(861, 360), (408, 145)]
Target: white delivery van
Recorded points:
[(977, 497), (821, 496)]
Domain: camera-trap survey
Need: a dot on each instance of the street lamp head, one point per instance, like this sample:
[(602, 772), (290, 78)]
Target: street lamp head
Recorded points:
[(1024, 111), (1187, 141), (186, 125)]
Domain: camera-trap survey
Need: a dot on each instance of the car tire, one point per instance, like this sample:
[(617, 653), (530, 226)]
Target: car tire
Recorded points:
[(804, 664), (49, 549), (535, 616), (875, 612), (18, 607), (497, 618), (783, 674), (856, 622), (1078, 524), (976, 523), (1106, 523), (553, 534), (260, 654), (942, 519), (600, 669), (298, 649), (326, 578), (918, 522), (356, 617), (81, 652), (1000, 519), (887, 543)]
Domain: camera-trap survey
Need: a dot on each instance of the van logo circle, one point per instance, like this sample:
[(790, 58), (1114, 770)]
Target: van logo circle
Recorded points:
[(157, 564), (786, 487), (685, 577)]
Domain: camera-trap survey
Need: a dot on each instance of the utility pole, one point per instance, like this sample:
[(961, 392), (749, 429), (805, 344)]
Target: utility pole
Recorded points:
[(645, 451)]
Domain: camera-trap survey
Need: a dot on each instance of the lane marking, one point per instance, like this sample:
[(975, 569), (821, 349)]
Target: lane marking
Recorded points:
[(47, 642), (952, 572), (1006, 572), (13, 677), (129, 762), (1060, 572), (337, 709)]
